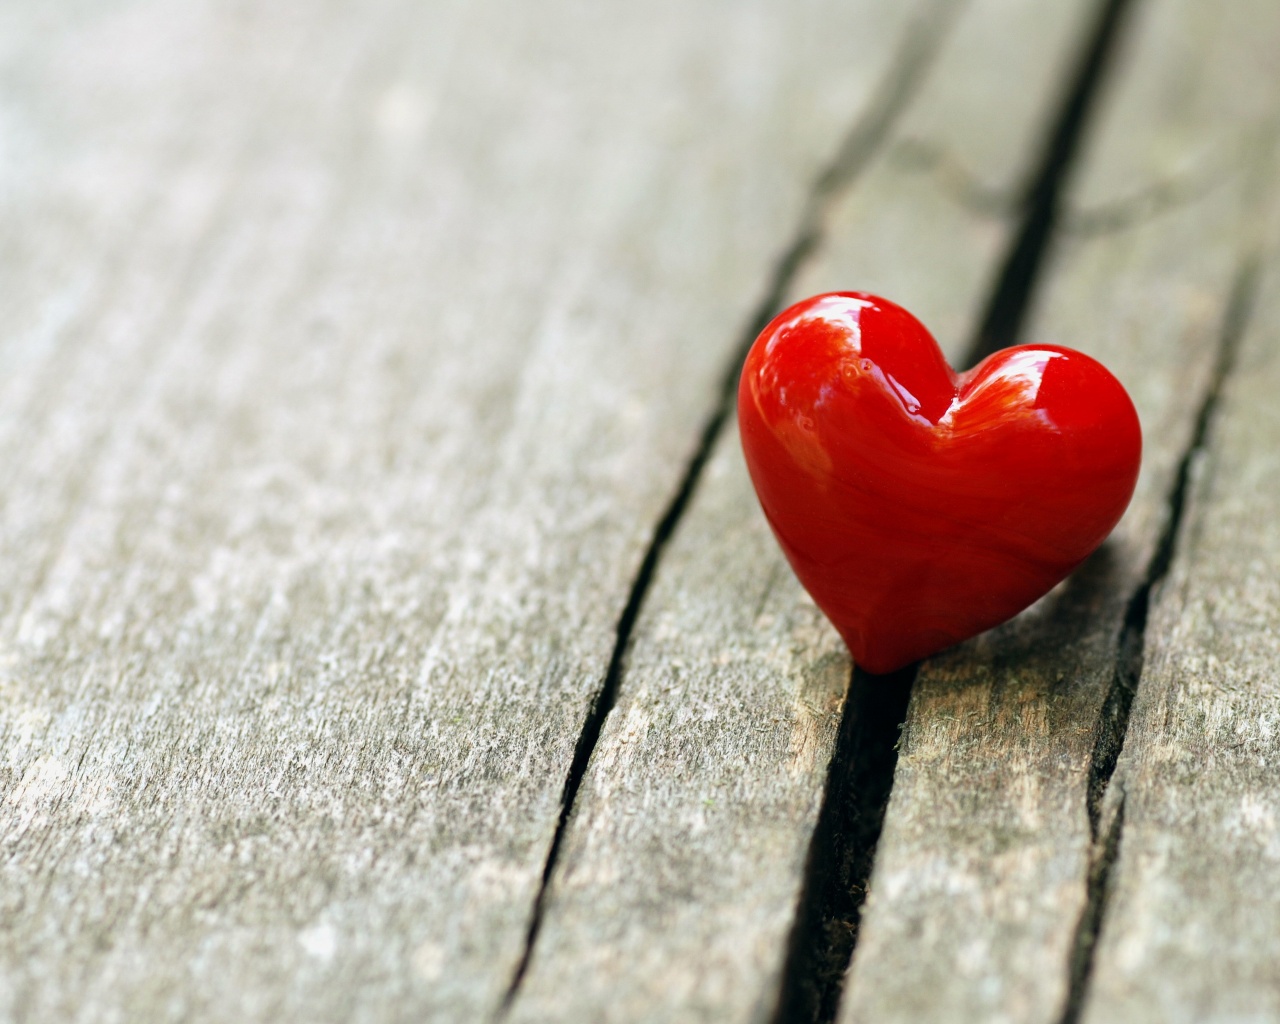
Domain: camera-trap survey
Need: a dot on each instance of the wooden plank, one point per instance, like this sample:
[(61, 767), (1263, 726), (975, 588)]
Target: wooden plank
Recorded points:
[(1191, 925), (685, 859), (978, 902), (350, 354)]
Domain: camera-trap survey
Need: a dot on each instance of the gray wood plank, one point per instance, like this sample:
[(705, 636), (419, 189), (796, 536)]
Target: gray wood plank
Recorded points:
[(1191, 922), (350, 353), (684, 862), (981, 876)]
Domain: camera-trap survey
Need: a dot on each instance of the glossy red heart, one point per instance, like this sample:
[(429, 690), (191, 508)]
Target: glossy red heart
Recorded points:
[(919, 506)]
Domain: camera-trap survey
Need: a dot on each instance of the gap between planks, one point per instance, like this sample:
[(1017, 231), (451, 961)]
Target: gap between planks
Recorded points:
[(860, 778)]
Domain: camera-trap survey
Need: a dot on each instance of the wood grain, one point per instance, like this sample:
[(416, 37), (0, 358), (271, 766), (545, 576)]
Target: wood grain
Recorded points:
[(350, 354), (981, 880), (684, 862)]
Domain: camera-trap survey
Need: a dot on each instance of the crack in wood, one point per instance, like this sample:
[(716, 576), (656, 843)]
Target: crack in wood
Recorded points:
[(861, 776), (843, 848), (866, 137), (1019, 274), (1113, 723), (1098, 891)]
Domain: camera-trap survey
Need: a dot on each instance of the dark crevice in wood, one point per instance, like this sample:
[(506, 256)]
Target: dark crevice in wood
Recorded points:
[(1114, 723), (607, 695), (843, 847), (842, 853), (1098, 892), (1020, 272), (863, 141)]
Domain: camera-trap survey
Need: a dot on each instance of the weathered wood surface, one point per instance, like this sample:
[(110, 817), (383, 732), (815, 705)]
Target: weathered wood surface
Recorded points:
[(683, 865), (1192, 924), (980, 906), (350, 354)]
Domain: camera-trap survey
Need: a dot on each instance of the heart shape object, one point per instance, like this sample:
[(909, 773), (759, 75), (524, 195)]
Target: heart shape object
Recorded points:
[(919, 506)]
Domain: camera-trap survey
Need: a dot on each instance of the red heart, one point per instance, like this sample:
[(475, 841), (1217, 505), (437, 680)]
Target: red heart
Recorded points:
[(917, 505)]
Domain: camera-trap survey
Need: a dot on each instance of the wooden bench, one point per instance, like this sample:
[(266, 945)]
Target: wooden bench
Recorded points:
[(388, 629)]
